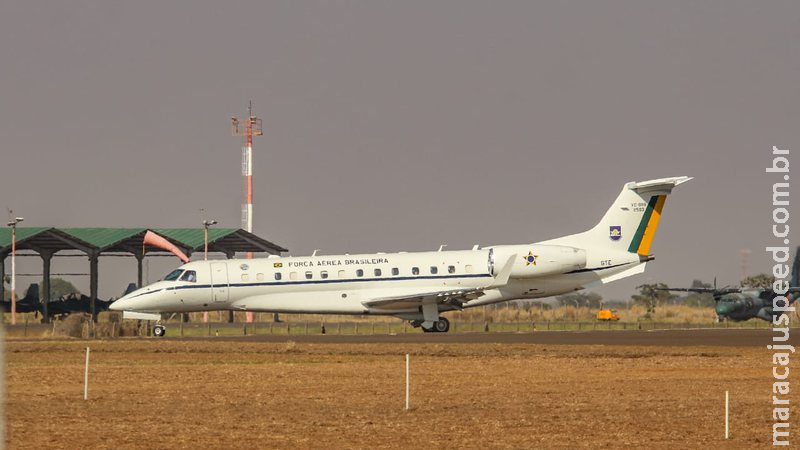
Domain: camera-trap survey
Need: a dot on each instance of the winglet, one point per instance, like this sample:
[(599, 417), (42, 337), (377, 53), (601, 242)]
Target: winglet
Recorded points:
[(502, 277)]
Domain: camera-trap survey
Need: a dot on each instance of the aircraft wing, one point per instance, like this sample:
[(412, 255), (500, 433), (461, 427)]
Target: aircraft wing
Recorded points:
[(452, 296)]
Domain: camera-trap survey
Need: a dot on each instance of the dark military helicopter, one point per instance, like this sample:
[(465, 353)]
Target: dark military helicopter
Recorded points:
[(739, 304)]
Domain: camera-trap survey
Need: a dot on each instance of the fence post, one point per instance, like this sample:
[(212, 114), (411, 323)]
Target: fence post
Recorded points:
[(86, 377), (727, 415), (408, 396)]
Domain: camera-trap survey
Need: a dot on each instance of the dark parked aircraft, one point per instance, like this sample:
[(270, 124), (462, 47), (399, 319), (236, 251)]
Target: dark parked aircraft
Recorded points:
[(28, 303), (746, 303), (64, 306)]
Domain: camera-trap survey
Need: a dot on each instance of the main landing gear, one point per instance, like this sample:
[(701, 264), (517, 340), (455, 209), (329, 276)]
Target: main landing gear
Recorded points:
[(159, 330), (442, 325)]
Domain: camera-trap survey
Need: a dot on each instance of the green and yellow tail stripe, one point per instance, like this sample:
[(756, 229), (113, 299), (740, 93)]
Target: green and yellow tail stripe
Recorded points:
[(647, 227)]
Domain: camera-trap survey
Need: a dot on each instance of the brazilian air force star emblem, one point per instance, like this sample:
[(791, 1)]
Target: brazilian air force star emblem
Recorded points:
[(530, 259)]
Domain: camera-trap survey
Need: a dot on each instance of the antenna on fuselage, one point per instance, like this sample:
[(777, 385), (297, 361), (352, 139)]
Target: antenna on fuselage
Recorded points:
[(315, 252), (441, 247)]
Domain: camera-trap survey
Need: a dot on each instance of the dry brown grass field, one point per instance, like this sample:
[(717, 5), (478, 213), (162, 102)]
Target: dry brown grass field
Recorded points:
[(209, 394)]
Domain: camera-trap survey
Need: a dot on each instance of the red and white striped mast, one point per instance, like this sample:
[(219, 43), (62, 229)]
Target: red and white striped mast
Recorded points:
[(251, 128)]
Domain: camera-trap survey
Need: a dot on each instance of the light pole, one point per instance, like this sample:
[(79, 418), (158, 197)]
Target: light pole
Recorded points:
[(13, 224), (206, 224)]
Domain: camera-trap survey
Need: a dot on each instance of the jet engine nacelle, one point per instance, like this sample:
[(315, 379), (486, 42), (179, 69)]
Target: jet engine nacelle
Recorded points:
[(539, 260)]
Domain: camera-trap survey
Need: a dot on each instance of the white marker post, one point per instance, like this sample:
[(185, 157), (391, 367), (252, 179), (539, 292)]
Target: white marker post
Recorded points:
[(727, 415), (408, 392), (86, 377)]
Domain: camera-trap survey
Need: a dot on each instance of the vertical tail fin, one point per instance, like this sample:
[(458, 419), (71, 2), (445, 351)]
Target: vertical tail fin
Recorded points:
[(631, 222), (646, 231)]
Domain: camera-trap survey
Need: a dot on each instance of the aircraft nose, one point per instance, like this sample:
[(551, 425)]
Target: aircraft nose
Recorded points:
[(124, 303), (119, 305), (725, 308)]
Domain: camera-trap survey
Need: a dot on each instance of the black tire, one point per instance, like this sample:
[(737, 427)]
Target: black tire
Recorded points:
[(159, 331), (442, 325)]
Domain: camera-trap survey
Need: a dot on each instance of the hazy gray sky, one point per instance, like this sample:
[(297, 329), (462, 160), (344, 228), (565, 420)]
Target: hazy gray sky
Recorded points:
[(402, 125)]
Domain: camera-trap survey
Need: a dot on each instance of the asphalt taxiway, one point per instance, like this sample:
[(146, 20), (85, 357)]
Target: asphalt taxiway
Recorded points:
[(660, 338)]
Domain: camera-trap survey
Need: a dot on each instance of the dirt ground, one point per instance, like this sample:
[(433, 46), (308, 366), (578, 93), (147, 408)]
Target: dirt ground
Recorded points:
[(149, 393)]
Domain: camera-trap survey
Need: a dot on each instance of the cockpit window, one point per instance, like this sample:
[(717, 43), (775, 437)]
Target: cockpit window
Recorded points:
[(189, 275), (172, 276)]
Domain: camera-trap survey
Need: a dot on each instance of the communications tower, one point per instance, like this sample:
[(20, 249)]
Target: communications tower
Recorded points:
[(247, 130)]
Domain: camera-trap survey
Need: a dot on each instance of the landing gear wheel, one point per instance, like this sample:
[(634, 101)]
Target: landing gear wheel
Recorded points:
[(442, 325), (159, 330)]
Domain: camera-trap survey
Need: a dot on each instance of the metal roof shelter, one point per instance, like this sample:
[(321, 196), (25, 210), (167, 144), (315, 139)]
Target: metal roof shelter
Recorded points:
[(96, 242)]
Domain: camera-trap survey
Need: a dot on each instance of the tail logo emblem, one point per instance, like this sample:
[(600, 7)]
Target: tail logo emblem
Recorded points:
[(530, 259), (615, 232)]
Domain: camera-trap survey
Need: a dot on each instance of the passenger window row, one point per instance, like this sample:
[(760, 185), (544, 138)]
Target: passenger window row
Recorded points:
[(309, 275)]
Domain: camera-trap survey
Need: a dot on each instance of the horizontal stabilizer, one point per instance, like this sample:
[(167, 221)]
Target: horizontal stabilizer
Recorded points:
[(661, 184)]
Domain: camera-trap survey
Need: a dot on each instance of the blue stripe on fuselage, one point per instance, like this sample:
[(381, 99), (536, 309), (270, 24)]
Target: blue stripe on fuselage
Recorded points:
[(325, 281)]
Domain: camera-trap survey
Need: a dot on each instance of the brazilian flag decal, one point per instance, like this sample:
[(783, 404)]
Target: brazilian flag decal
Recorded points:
[(643, 237)]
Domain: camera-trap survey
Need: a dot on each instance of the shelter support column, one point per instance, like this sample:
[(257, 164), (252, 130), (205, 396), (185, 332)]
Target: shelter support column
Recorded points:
[(2, 276), (47, 258), (139, 262), (93, 257), (230, 255)]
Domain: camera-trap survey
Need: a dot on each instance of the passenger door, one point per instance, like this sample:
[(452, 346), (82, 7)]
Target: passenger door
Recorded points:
[(219, 282)]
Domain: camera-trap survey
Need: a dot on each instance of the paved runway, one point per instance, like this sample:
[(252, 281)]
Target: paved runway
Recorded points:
[(662, 338)]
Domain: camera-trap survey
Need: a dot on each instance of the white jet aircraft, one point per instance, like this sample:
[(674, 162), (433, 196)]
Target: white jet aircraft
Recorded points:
[(418, 286)]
